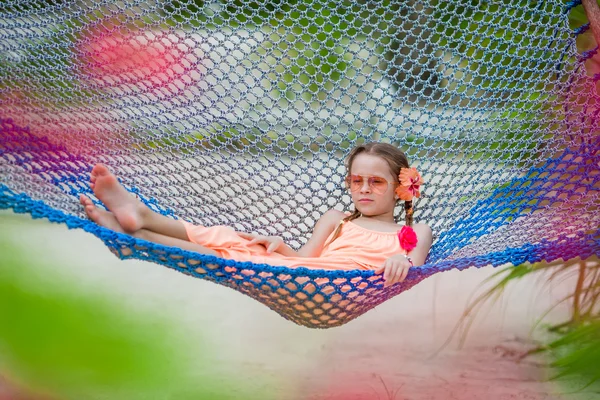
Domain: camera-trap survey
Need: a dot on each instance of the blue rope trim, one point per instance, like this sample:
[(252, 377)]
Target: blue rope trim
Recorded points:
[(543, 251), (517, 198), (586, 55), (582, 29)]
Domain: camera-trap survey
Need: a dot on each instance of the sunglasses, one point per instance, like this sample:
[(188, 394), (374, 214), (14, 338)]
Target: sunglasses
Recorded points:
[(377, 184)]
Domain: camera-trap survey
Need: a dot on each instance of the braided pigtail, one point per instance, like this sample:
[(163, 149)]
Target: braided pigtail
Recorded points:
[(408, 210), (336, 233)]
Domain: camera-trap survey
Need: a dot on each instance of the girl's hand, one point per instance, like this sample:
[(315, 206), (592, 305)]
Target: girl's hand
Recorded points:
[(271, 243), (394, 269)]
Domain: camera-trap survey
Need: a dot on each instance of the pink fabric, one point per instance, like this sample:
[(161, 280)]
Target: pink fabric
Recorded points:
[(355, 248)]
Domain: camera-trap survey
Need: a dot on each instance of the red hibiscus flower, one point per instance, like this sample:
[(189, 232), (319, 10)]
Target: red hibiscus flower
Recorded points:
[(408, 238)]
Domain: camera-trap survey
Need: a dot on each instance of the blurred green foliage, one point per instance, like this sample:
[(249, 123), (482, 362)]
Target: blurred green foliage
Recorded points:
[(577, 354), (57, 339)]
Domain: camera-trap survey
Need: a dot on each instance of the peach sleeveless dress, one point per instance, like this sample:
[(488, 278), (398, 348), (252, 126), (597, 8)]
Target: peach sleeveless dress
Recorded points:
[(355, 248)]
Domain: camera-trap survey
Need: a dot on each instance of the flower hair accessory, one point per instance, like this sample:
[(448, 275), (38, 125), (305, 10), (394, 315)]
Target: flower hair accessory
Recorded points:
[(410, 183), (408, 238)]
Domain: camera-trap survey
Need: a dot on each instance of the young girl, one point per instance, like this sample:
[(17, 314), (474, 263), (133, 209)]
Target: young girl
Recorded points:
[(379, 176)]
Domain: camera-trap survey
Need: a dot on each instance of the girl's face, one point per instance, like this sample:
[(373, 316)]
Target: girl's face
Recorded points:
[(372, 186)]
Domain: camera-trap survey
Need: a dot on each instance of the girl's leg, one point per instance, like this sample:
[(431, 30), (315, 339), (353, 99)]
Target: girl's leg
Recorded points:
[(174, 242), (131, 213), (108, 220)]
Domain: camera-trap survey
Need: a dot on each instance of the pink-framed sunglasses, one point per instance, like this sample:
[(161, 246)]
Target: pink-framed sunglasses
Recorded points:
[(377, 184)]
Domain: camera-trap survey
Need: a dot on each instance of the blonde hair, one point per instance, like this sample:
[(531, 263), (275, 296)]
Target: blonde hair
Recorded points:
[(396, 160)]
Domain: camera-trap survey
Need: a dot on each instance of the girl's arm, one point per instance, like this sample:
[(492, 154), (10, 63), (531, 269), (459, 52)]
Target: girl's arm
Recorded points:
[(396, 267), (323, 228), (425, 238)]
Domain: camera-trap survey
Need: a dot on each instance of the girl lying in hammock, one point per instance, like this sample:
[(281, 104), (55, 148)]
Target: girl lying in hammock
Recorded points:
[(368, 238)]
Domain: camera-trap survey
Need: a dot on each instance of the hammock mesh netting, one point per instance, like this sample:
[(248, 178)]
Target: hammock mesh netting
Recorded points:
[(241, 113)]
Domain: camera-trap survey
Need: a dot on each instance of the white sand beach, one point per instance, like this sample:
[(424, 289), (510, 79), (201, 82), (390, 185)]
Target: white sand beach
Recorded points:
[(391, 346)]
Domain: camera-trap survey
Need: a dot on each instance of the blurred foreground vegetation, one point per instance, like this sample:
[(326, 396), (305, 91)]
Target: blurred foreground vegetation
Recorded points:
[(58, 342)]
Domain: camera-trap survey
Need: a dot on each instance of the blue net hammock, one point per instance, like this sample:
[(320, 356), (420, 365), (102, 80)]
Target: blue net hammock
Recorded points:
[(241, 113)]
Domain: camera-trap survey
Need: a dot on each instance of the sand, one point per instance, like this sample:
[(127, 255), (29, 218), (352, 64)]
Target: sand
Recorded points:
[(393, 346)]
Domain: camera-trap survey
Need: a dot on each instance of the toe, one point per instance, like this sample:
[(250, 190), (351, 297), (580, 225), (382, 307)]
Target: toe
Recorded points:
[(86, 201), (91, 211), (100, 170)]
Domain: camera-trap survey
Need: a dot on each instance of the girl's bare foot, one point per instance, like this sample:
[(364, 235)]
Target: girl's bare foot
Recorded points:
[(101, 217), (126, 209), (105, 219)]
